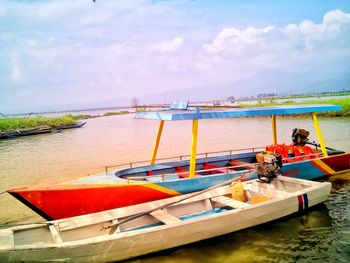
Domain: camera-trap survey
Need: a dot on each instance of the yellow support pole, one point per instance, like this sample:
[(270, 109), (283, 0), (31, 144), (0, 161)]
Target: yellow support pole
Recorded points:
[(193, 148), (274, 130), (155, 148), (319, 135)]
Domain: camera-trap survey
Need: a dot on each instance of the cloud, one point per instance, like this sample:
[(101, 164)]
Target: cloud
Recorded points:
[(169, 46), (306, 43), (335, 27), (235, 39), (80, 50)]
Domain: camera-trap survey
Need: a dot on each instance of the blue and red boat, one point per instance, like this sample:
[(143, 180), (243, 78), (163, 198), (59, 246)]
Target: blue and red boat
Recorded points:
[(138, 184)]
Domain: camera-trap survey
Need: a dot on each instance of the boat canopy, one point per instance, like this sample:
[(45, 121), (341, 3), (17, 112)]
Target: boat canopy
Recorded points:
[(196, 114), (175, 115)]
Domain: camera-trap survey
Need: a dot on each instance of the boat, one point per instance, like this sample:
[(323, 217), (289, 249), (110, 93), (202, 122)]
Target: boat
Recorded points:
[(136, 230), (78, 125), (25, 132), (161, 178), (36, 130)]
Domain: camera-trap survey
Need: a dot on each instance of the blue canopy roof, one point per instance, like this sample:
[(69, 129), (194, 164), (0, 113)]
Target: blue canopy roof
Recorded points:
[(175, 115)]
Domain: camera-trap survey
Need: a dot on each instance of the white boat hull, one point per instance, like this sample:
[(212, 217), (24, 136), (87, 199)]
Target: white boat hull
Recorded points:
[(123, 245)]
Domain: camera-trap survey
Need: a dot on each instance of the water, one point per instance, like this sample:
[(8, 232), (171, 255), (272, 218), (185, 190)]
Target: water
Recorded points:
[(322, 235)]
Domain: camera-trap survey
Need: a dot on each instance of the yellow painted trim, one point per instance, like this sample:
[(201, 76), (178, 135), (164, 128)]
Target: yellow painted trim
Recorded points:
[(193, 148), (324, 166), (156, 145), (162, 189), (319, 135), (144, 184), (274, 130)]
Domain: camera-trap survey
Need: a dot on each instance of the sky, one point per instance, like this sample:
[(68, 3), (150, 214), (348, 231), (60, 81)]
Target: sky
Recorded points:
[(64, 54)]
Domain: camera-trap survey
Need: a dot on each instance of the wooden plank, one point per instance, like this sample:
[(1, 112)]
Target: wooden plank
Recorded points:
[(55, 235), (229, 202), (207, 204), (114, 229), (165, 217), (281, 185), (7, 240)]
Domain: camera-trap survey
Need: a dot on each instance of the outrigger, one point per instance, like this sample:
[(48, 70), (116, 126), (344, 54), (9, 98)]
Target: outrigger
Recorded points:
[(134, 185)]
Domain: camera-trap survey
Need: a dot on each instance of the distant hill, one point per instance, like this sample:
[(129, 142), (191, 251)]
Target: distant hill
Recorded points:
[(280, 82)]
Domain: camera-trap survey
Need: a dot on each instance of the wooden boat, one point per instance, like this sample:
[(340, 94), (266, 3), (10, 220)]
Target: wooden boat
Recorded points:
[(158, 180), (25, 132), (149, 227), (36, 130), (79, 125)]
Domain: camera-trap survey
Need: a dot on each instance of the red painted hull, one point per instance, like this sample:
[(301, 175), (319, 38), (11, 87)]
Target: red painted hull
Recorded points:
[(84, 199), (67, 200)]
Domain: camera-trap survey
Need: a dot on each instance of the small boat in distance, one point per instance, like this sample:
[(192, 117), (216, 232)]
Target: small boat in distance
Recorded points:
[(157, 180), (37, 130), (78, 125), (154, 226), (25, 132)]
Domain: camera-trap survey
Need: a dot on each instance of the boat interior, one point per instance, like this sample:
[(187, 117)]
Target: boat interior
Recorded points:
[(219, 164), (173, 211)]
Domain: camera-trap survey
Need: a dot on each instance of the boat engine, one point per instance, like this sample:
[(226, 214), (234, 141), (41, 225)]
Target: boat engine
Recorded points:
[(299, 136), (268, 166)]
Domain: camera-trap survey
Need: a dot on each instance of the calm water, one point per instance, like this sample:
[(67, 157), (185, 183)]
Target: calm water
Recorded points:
[(321, 235)]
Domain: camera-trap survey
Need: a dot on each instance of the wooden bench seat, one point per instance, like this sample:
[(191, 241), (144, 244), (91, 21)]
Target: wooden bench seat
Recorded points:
[(223, 200), (165, 217)]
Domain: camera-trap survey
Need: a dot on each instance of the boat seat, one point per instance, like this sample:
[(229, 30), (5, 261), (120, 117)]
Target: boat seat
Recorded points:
[(223, 200), (244, 165), (214, 169), (166, 177), (55, 234), (165, 217), (184, 173)]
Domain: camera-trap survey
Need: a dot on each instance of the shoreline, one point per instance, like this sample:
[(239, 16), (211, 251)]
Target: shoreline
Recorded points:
[(13, 123)]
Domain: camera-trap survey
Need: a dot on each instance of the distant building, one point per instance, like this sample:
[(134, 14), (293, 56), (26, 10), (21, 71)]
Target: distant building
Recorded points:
[(231, 99)]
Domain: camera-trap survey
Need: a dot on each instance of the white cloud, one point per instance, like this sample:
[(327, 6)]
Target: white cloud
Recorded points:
[(307, 33), (235, 39), (306, 44), (335, 19), (88, 50), (169, 46)]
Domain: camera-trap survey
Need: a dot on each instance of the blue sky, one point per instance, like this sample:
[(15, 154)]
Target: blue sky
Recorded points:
[(71, 54)]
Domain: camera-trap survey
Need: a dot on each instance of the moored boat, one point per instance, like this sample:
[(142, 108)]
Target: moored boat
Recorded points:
[(149, 227), (78, 125), (25, 132), (137, 184)]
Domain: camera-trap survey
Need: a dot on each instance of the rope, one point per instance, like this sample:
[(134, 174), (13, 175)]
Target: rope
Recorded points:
[(3, 115)]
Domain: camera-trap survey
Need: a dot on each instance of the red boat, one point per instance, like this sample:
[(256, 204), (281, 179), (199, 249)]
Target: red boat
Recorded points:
[(133, 185)]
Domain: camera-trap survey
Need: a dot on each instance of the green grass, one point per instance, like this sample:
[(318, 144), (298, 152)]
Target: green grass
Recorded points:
[(115, 113), (344, 103), (29, 122), (83, 116)]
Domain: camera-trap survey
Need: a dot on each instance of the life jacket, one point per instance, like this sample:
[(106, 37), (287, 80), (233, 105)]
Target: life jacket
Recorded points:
[(289, 151)]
